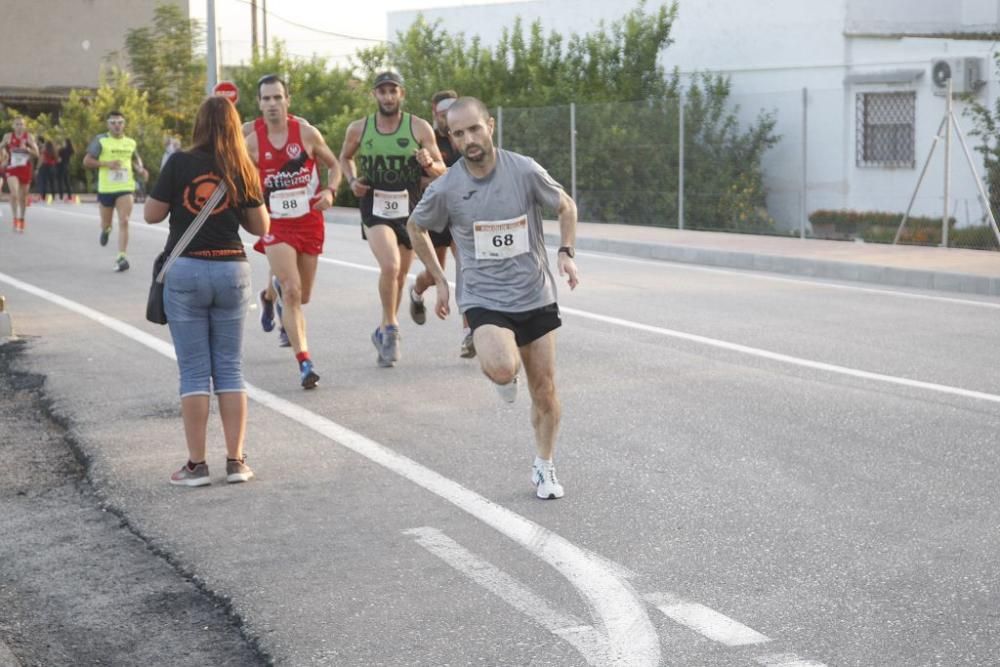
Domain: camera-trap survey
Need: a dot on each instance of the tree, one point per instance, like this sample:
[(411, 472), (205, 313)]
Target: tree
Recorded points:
[(84, 116), (329, 98), (166, 63), (627, 115)]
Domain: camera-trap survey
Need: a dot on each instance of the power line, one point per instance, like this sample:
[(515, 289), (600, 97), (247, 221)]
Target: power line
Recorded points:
[(317, 30)]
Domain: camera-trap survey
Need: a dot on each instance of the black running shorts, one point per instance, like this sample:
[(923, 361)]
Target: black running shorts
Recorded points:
[(441, 239), (527, 326), (397, 226)]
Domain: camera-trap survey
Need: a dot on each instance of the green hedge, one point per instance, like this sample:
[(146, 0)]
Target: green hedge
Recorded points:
[(880, 227)]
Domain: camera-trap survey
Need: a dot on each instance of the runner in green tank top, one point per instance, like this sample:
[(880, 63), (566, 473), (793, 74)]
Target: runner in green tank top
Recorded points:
[(383, 158)]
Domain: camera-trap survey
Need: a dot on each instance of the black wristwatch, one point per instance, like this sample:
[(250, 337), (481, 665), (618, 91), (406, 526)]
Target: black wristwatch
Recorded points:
[(568, 249)]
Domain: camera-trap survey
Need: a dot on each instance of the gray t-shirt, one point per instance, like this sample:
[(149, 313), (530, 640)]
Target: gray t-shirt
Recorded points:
[(517, 188)]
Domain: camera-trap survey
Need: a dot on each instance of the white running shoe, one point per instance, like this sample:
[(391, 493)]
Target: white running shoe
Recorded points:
[(508, 392), (547, 487)]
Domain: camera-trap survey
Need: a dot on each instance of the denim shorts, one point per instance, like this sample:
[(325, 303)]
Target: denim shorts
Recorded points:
[(206, 303)]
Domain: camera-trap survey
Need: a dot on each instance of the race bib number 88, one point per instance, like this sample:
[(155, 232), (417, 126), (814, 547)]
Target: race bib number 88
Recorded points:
[(501, 239), (289, 203)]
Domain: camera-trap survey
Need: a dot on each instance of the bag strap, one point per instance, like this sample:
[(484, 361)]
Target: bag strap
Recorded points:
[(193, 228)]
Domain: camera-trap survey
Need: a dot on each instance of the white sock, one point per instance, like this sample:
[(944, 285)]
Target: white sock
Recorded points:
[(466, 331), (416, 297), (540, 462)]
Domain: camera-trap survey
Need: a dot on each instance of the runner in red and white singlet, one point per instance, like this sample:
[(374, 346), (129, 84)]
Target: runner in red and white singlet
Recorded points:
[(18, 149), (290, 180), (286, 150)]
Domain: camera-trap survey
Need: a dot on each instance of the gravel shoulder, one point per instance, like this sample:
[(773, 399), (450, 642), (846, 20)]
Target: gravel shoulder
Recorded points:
[(77, 585)]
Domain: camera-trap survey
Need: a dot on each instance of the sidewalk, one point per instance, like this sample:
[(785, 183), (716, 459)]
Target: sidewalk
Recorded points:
[(919, 267), (946, 269)]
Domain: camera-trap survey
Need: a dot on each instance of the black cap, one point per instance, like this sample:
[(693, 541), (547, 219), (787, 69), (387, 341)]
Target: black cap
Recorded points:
[(388, 77)]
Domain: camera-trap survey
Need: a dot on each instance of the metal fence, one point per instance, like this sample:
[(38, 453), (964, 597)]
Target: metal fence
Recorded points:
[(840, 164)]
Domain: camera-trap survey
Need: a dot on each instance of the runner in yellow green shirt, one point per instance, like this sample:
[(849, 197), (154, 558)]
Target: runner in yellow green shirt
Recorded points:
[(114, 157)]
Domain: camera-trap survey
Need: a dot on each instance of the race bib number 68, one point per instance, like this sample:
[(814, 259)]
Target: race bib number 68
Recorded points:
[(501, 239)]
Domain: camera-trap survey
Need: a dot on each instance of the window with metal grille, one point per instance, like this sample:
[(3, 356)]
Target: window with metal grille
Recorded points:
[(885, 129)]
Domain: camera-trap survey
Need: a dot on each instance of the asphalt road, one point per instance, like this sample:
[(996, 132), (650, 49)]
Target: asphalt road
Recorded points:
[(758, 470)]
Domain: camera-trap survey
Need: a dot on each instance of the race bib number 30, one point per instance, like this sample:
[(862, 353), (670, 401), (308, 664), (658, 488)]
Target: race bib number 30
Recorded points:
[(501, 239), (289, 203), (391, 205)]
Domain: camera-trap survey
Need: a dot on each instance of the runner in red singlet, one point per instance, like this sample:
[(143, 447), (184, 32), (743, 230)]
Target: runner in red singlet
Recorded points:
[(286, 151), (17, 150)]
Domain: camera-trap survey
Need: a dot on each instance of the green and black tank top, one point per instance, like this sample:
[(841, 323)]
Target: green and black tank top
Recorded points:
[(387, 164)]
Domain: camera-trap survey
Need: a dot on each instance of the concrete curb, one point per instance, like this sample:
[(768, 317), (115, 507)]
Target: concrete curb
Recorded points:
[(6, 323), (798, 266)]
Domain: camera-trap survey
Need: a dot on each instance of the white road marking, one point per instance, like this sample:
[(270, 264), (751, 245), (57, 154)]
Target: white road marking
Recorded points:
[(620, 613), (681, 266), (787, 359), (584, 638), (763, 275), (758, 352), (786, 660), (708, 622)]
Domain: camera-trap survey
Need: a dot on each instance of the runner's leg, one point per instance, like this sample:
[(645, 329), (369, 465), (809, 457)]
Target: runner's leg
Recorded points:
[(123, 205), (539, 358), (284, 264), (383, 244), (107, 212), (405, 261), (498, 355), (16, 203)]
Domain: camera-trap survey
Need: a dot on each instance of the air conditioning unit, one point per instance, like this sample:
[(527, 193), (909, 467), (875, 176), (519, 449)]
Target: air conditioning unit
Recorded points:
[(966, 75)]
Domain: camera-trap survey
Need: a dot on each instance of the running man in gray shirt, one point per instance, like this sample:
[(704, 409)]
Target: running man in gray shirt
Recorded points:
[(493, 199)]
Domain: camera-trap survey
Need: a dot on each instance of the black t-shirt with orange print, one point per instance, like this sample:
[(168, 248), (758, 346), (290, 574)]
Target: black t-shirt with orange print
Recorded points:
[(186, 182)]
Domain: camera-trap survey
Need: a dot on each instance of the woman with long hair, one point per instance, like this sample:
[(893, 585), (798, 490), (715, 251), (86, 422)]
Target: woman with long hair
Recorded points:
[(207, 290)]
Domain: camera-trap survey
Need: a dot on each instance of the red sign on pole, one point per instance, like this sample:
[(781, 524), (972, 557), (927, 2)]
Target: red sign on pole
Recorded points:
[(228, 90)]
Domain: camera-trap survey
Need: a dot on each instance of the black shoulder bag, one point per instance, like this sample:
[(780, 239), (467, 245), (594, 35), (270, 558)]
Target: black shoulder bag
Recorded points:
[(155, 311)]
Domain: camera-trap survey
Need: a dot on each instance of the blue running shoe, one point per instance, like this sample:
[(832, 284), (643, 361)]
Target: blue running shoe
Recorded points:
[(390, 344), (283, 339), (308, 374), (266, 311), (377, 342)]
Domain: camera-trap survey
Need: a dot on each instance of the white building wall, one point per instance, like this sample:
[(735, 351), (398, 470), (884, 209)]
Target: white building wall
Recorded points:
[(772, 50)]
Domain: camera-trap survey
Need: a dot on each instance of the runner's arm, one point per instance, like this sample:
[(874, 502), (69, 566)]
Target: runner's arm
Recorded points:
[(92, 158), (33, 147), (567, 237), (320, 151), (352, 141), (138, 166), (420, 239), (252, 150), (428, 155)]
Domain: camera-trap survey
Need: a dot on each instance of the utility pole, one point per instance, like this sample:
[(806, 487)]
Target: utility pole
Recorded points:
[(253, 28), (212, 76), (263, 18)]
